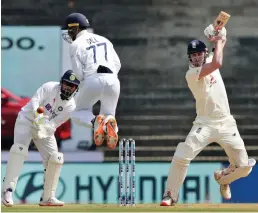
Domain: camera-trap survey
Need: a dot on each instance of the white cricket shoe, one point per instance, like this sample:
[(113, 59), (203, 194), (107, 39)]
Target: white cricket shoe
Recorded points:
[(224, 189), (167, 201), (7, 197), (51, 202)]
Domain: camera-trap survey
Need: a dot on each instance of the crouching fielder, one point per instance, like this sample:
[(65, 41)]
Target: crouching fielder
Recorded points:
[(58, 102), (213, 122)]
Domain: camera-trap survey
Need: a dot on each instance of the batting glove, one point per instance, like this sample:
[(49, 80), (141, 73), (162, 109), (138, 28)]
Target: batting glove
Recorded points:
[(214, 35)]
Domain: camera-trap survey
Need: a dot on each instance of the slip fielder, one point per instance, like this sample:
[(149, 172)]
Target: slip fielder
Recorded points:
[(96, 64)]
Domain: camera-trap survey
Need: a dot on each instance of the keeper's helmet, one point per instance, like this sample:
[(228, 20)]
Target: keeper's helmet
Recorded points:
[(197, 53), (74, 23), (69, 85)]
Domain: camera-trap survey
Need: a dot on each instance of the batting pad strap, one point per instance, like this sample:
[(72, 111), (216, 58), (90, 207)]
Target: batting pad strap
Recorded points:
[(233, 173), (52, 174), (181, 161)]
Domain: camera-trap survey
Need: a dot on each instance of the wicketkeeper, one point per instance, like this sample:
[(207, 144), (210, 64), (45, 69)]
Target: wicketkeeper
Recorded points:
[(57, 98)]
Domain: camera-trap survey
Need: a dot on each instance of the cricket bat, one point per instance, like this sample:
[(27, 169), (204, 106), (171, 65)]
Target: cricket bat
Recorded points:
[(221, 20)]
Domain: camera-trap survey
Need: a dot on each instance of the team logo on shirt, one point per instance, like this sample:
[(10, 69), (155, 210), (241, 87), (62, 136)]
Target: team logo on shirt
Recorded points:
[(53, 113), (48, 107)]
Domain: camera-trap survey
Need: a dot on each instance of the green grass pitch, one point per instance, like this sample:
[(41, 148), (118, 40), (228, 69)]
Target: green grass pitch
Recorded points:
[(137, 208)]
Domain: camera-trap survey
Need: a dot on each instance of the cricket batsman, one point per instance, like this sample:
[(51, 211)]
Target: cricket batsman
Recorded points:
[(213, 122), (96, 64), (57, 100)]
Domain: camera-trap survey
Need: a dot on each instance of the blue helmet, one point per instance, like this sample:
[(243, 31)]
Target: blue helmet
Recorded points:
[(196, 46), (69, 85), (76, 20), (74, 23)]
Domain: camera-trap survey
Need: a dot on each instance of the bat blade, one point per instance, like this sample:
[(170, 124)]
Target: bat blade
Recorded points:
[(221, 20)]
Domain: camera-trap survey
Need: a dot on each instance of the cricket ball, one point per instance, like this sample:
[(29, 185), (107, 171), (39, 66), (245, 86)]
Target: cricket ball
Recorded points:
[(40, 110)]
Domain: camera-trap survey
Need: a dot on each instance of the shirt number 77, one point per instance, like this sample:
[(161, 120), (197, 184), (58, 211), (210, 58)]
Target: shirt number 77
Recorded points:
[(95, 47)]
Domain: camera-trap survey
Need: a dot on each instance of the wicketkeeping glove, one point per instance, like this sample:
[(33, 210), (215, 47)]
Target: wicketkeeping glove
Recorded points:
[(44, 127)]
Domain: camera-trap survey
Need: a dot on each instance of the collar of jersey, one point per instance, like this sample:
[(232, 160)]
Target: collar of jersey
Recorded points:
[(81, 33)]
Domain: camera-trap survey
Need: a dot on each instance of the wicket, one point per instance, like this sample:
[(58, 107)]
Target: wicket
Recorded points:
[(127, 194)]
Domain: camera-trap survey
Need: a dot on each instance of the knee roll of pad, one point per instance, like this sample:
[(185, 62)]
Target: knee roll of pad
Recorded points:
[(184, 151), (19, 149)]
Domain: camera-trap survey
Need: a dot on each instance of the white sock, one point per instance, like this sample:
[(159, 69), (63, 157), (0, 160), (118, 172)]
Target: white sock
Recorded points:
[(176, 177)]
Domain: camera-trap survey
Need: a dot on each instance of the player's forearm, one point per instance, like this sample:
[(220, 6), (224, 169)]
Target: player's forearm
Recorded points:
[(216, 62), (218, 54)]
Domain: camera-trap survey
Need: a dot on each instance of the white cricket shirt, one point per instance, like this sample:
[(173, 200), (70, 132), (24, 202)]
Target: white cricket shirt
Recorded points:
[(90, 50), (209, 93), (48, 96)]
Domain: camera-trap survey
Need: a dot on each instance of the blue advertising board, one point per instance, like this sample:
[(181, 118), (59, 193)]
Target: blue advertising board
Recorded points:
[(98, 183), (31, 56)]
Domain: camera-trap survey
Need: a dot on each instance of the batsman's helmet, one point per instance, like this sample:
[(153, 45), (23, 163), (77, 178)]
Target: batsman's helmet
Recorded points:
[(196, 46), (69, 85), (74, 23)]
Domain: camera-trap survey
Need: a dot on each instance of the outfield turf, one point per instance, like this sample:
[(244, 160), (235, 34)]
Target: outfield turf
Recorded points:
[(137, 208)]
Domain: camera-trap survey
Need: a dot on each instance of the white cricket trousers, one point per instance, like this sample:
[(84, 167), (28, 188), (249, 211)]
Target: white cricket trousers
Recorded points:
[(23, 134), (225, 133), (103, 87)]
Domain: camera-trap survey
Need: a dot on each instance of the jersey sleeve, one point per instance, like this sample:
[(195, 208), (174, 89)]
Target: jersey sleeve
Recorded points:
[(39, 96), (76, 61)]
